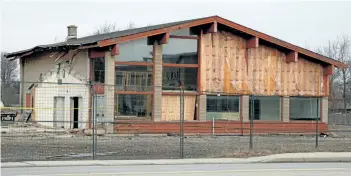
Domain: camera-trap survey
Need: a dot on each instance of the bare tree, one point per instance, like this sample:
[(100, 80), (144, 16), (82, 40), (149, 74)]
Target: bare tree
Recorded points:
[(9, 80), (131, 25), (107, 28), (339, 49)]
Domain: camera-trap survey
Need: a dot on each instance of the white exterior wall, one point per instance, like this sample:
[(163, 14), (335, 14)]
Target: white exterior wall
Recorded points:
[(44, 100)]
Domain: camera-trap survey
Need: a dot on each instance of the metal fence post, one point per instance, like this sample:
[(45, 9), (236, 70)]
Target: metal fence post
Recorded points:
[(93, 110), (181, 122)]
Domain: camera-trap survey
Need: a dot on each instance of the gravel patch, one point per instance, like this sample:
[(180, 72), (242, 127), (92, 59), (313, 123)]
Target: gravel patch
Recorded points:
[(33, 147)]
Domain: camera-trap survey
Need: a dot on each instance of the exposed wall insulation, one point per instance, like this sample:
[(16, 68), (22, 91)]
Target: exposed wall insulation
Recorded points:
[(226, 69), (171, 107)]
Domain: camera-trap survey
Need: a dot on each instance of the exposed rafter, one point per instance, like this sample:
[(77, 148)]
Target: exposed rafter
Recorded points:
[(292, 57), (252, 43)]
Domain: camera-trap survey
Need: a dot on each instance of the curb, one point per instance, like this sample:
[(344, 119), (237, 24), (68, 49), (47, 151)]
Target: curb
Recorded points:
[(277, 158)]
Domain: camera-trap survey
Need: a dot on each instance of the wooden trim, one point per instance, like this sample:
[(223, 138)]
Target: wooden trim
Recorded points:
[(328, 70), (181, 65), (134, 63), (292, 57), (304, 121), (99, 88), (252, 43), (153, 81), (178, 93), (28, 100), (91, 74), (326, 85), (115, 50), (132, 92), (93, 54), (199, 58), (184, 37)]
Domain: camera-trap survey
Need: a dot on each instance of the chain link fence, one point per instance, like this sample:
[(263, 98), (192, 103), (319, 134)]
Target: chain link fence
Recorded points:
[(74, 121)]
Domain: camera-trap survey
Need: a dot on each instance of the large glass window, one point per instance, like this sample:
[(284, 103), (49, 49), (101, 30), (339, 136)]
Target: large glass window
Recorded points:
[(99, 70), (173, 76), (223, 107), (182, 32), (265, 108), (180, 51), (133, 78), (133, 106), (304, 108), (135, 51)]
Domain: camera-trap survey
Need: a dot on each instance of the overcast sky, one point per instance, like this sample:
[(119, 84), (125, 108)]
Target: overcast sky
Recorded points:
[(25, 24)]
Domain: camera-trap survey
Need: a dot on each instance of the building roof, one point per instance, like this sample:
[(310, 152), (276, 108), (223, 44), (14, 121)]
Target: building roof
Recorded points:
[(102, 40), (93, 39)]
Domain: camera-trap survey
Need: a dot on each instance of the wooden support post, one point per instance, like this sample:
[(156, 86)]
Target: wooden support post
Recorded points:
[(291, 57), (252, 43), (328, 70)]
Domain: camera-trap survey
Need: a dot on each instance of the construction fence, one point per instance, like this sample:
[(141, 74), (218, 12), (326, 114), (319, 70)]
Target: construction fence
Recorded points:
[(76, 121)]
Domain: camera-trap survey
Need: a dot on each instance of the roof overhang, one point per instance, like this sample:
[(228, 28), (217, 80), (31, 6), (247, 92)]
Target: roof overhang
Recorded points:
[(209, 24), (244, 30)]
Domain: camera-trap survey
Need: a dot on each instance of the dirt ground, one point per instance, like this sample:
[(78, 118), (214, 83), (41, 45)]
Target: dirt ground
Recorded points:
[(25, 146)]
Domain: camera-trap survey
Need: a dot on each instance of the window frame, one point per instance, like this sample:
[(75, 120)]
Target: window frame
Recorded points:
[(265, 120), (93, 77), (117, 93), (174, 65), (318, 109), (133, 92)]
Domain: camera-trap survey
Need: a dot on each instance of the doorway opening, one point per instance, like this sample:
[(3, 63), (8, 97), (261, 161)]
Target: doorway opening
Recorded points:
[(75, 112)]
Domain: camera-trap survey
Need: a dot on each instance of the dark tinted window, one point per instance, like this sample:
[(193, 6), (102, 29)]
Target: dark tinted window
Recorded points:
[(99, 70), (134, 106), (223, 103), (172, 76)]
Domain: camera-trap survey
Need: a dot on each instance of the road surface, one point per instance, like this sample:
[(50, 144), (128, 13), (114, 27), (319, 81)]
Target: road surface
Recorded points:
[(269, 169)]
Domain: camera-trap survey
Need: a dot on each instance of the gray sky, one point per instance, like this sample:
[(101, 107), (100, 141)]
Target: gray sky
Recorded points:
[(25, 24)]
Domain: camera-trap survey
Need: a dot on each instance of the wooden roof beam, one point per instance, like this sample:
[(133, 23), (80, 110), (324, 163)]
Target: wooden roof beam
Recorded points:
[(328, 70), (292, 56), (253, 42), (115, 50), (212, 28), (160, 38)]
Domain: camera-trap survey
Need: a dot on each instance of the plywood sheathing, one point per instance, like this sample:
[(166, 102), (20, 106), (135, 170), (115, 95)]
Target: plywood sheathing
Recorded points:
[(171, 107), (266, 71)]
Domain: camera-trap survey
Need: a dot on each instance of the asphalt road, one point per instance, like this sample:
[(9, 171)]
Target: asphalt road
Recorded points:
[(269, 169)]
